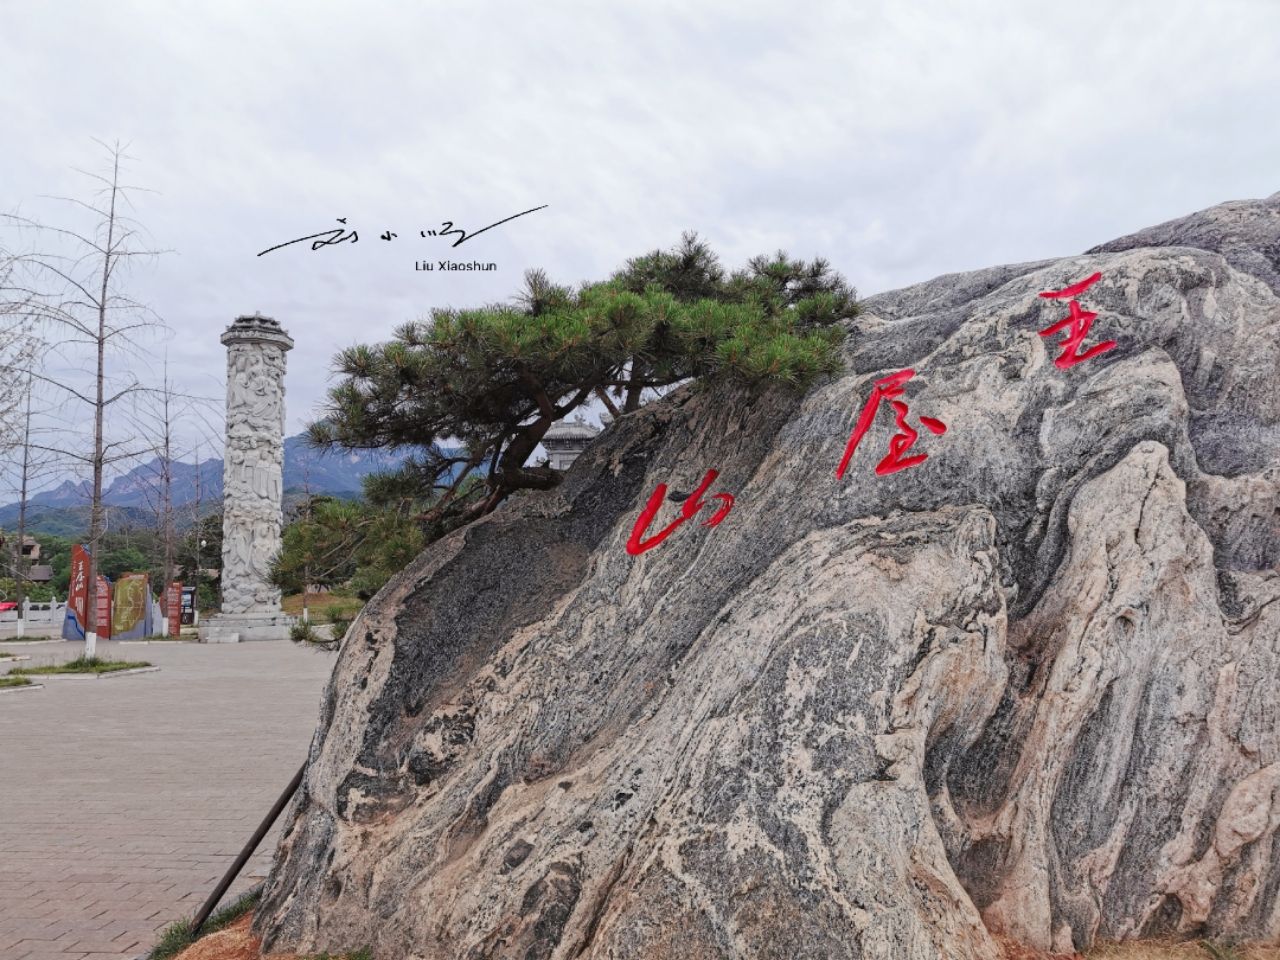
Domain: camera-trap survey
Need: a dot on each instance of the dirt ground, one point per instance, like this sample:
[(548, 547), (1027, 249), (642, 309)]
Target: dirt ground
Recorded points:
[(236, 943), (233, 943)]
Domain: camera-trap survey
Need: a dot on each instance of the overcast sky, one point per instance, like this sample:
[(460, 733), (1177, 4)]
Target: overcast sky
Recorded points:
[(898, 140)]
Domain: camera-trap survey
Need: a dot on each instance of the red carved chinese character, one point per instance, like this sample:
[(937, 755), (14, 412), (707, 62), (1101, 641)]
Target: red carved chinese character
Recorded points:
[(1079, 320), (887, 388), (637, 545)]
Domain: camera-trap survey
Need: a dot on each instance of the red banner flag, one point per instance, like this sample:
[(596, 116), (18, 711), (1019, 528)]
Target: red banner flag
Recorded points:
[(173, 607), (102, 617), (77, 595)]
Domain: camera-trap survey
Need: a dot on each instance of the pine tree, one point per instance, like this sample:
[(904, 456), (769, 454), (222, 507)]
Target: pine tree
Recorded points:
[(495, 378)]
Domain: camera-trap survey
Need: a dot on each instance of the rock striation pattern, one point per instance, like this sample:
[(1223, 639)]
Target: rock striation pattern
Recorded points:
[(1027, 687)]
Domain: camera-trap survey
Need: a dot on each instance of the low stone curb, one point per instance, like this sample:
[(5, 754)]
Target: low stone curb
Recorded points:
[(94, 676), (22, 689), (4, 660), (31, 643)]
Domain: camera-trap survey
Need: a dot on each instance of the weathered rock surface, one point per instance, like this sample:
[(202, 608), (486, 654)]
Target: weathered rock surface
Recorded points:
[(1029, 686)]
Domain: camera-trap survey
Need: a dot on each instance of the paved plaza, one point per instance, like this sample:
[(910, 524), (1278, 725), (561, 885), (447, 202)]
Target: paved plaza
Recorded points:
[(123, 800)]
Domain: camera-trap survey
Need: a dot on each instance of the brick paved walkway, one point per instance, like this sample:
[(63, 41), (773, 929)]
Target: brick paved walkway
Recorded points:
[(123, 800)]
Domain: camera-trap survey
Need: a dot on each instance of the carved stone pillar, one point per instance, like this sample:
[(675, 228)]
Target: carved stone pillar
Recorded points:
[(252, 483)]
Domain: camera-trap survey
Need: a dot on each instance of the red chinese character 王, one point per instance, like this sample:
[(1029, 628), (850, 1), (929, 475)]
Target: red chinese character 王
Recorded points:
[(1079, 320), (887, 388), (637, 545)]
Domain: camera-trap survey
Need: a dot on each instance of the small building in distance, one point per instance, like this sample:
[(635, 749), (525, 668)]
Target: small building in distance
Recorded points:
[(566, 440), (36, 572)]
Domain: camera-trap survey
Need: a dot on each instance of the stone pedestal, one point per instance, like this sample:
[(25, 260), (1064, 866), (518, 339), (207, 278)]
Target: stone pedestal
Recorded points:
[(235, 627), (252, 484)]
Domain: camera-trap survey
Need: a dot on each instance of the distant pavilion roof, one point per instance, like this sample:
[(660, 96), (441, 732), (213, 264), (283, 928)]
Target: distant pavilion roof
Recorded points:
[(570, 430)]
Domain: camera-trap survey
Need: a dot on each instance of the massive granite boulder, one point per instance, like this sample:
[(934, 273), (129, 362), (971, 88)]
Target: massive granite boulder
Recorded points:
[(1028, 686)]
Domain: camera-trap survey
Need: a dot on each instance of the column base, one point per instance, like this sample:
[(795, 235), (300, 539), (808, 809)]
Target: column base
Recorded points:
[(238, 627)]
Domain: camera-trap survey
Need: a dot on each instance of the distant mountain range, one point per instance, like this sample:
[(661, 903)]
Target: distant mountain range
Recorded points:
[(64, 509)]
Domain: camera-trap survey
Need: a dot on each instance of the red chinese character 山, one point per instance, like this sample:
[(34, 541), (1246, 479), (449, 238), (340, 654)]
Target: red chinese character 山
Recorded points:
[(636, 544), (1079, 320), (887, 388)]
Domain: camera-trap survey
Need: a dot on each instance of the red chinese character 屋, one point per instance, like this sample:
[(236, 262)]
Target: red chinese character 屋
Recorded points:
[(636, 544), (886, 388), (1079, 320)]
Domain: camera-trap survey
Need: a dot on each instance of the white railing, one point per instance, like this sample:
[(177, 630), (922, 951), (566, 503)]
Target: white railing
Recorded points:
[(40, 618)]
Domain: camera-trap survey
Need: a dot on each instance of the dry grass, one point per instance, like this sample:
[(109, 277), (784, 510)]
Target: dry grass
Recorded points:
[(237, 943), (233, 943), (320, 605)]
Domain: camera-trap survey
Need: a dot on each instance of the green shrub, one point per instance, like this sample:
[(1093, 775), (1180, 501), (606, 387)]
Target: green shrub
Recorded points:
[(341, 618), (301, 632), (83, 664), (35, 592)]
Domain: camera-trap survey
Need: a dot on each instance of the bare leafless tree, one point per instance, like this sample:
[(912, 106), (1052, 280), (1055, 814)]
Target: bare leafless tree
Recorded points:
[(177, 422), (30, 464), (164, 463), (21, 569), (75, 290), (18, 348), (196, 512), (21, 462)]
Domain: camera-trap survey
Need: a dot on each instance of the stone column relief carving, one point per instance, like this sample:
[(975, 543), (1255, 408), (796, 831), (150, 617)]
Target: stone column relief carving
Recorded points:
[(252, 478)]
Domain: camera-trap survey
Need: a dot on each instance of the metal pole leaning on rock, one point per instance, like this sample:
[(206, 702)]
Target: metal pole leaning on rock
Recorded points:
[(234, 871)]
